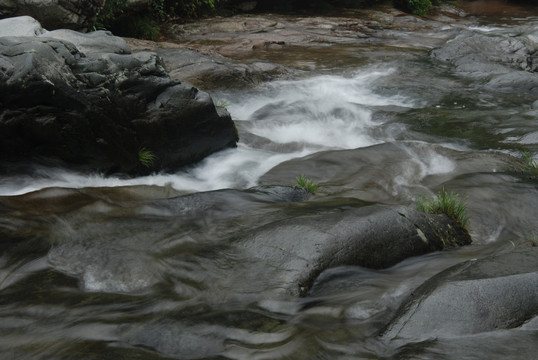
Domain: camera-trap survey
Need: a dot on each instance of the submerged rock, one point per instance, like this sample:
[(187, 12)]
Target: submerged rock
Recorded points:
[(85, 100), (497, 292), (110, 239), (111, 246)]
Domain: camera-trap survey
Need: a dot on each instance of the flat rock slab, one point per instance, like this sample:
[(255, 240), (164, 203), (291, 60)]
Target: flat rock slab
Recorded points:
[(243, 34), (498, 292)]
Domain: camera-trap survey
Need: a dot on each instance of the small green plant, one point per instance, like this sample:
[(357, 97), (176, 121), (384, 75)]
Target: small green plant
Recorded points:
[(307, 184), (420, 7), (533, 165), (159, 10), (223, 104), (445, 203), (146, 157), (111, 11), (416, 7)]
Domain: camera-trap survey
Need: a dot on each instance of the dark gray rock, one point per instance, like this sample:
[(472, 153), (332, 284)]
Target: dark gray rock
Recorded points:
[(93, 43), (498, 292), (293, 252), (504, 62), (95, 110), (54, 14), (468, 48)]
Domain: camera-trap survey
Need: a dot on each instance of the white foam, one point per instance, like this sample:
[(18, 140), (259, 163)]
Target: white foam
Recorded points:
[(328, 111), (485, 29), (319, 113)]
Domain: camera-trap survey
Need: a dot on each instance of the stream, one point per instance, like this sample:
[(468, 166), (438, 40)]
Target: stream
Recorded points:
[(95, 267)]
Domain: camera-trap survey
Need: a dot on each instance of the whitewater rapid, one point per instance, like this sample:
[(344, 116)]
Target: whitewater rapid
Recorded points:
[(277, 121)]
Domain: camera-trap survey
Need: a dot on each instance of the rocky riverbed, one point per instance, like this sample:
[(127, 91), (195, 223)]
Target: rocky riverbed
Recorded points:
[(228, 259)]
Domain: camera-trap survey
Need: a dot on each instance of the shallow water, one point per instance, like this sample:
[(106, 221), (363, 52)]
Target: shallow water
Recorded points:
[(110, 268)]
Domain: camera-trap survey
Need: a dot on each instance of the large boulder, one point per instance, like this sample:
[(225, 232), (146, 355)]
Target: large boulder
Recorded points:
[(86, 100), (498, 292), (54, 14), (504, 62), (293, 252)]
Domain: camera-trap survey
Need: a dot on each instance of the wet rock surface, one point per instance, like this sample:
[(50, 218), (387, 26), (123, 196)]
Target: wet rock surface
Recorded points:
[(372, 237), (250, 34), (109, 240), (246, 50), (288, 253), (85, 100), (251, 270), (484, 295), (208, 69), (508, 63)]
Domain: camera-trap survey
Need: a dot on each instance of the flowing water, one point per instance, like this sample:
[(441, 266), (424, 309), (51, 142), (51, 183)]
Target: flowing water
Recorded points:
[(110, 268)]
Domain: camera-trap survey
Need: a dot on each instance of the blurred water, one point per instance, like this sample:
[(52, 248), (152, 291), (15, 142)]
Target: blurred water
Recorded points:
[(312, 115), (93, 267)]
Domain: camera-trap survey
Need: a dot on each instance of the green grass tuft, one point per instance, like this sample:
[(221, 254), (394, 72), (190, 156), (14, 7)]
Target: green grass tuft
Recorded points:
[(146, 157), (307, 184), (417, 7), (533, 239), (533, 165), (445, 203)]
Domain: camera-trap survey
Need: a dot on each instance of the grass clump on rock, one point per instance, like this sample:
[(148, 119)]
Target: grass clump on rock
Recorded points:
[(531, 163), (445, 203), (307, 184), (146, 157)]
